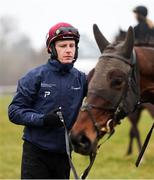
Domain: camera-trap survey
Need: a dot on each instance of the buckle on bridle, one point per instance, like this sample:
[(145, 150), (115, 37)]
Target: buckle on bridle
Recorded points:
[(84, 104), (107, 128)]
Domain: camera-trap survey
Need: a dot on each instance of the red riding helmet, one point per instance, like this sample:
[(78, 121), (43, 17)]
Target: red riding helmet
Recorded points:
[(61, 31)]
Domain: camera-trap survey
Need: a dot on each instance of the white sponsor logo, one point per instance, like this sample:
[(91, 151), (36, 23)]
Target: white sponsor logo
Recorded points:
[(47, 85), (75, 88), (46, 93)]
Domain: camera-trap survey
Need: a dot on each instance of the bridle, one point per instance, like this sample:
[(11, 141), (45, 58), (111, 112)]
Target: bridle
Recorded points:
[(99, 130), (108, 128)]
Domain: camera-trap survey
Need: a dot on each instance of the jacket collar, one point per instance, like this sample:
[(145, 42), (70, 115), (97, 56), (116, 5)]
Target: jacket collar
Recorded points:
[(59, 67)]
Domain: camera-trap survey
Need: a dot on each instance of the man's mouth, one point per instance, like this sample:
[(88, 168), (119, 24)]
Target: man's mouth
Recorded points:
[(70, 57)]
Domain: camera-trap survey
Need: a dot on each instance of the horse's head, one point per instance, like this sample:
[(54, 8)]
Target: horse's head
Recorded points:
[(120, 36), (106, 89)]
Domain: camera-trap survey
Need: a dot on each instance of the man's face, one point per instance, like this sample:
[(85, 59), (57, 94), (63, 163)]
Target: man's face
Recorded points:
[(138, 17), (65, 50)]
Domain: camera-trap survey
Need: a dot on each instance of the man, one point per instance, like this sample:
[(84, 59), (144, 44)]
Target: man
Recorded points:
[(39, 94), (144, 30)]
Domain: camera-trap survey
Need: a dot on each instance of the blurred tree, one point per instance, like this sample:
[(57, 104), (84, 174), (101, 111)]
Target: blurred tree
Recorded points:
[(7, 29), (16, 52)]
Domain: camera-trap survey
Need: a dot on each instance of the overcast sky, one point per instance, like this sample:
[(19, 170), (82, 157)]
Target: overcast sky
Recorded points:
[(35, 17)]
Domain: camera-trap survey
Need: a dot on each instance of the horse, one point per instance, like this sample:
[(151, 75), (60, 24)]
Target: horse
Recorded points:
[(135, 116), (114, 90)]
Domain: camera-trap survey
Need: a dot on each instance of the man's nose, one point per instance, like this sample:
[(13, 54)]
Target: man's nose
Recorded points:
[(68, 49)]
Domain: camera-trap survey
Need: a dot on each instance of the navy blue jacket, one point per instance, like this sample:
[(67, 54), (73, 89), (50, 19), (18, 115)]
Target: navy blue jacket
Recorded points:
[(41, 90), (143, 32)]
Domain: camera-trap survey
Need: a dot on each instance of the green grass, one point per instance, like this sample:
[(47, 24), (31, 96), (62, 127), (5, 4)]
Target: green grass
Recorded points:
[(111, 161), (10, 143)]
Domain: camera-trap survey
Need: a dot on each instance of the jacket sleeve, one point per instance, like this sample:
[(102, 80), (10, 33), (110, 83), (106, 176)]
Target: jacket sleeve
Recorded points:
[(21, 110)]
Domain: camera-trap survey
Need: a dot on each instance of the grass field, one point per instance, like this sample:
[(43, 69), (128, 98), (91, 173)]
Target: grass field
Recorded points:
[(111, 162)]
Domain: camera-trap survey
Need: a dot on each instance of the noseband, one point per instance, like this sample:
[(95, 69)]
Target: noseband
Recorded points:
[(88, 107)]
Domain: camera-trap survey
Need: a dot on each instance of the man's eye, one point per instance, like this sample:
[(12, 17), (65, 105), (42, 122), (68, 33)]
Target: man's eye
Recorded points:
[(62, 46), (72, 45)]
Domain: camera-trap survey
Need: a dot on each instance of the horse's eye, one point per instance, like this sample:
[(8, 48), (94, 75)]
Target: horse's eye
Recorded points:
[(116, 79), (116, 83)]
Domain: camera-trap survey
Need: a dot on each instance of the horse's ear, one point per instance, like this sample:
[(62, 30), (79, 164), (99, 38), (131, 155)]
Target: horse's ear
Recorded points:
[(128, 43), (100, 39)]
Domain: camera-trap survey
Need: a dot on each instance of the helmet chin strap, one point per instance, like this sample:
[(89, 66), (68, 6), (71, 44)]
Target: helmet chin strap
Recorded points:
[(76, 52), (53, 52)]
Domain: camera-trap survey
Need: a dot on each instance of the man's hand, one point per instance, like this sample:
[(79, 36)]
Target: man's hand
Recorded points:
[(52, 119)]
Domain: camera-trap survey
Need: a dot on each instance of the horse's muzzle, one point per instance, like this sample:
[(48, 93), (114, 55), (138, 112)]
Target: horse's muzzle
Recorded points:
[(81, 144)]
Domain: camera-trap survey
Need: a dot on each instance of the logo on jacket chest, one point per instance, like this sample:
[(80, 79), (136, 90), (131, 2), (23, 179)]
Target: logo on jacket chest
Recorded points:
[(76, 88), (47, 93), (48, 89)]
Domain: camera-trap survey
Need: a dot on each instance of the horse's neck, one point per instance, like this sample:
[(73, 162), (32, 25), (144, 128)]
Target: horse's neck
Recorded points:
[(145, 57)]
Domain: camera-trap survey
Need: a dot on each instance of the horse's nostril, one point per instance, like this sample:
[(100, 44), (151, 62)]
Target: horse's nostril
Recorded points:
[(80, 141), (84, 141)]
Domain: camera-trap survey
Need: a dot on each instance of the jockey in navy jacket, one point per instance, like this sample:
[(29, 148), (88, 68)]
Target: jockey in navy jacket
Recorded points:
[(43, 89)]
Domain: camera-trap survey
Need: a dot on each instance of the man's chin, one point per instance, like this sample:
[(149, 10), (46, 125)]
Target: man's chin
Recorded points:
[(67, 61)]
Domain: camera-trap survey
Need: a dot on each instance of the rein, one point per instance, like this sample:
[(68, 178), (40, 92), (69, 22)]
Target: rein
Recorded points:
[(59, 113), (68, 150), (144, 146)]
